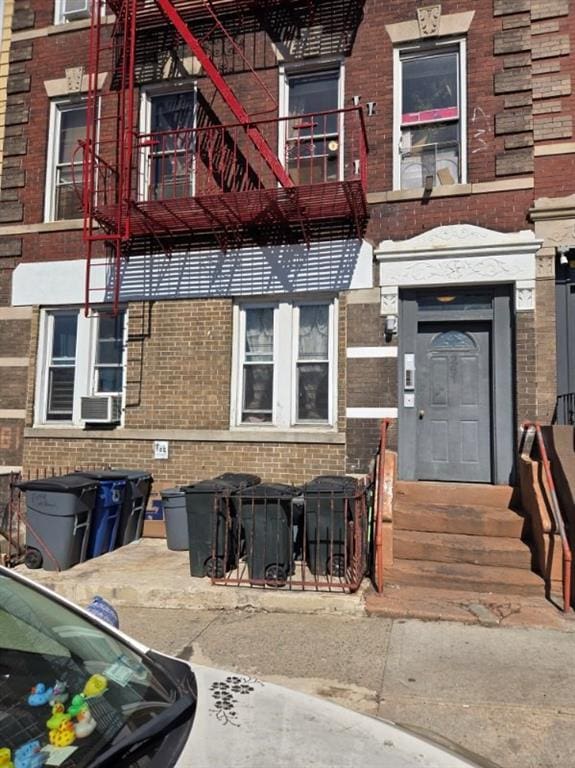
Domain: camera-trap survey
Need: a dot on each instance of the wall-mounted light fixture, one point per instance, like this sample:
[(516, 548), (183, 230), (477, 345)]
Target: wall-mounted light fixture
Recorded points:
[(356, 100), (390, 327), (563, 251)]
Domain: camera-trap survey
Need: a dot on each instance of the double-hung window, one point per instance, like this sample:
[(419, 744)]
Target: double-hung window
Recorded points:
[(109, 354), (169, 118), (313, 134), (64, 172), (78, 357), (61, 368), (430, 116), (286, 362)]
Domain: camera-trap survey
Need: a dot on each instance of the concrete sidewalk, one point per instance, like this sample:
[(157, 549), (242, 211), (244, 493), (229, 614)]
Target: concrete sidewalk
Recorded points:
[(147, 574), (506, 694)]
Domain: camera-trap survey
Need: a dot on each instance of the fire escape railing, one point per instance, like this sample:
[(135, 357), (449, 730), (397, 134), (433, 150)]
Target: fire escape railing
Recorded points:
[(140, 186)]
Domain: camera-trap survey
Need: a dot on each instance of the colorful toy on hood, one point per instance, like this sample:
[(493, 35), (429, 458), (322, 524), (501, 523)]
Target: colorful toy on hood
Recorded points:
[(39, 695), (59, 693), (95, 686), (64, 735), (6, 758), (86, 724), (77, 704), (59, 716), (29, 755)]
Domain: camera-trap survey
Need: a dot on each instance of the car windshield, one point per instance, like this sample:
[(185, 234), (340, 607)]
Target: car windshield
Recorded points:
[(70, 691)]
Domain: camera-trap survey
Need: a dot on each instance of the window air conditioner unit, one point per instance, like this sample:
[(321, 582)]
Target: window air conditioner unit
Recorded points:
[(101, 409), (76, 9)]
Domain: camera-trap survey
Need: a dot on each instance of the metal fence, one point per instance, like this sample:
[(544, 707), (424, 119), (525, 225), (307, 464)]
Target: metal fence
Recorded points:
[(319, 542), (13, 523)]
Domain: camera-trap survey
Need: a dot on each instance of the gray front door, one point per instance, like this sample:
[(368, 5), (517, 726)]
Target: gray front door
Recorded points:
[(453, 386)]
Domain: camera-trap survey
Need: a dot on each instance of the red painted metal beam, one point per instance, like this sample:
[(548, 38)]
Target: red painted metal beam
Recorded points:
[(227, 94)]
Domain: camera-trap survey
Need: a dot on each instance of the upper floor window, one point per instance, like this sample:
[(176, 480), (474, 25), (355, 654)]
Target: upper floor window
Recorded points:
[(286, 363), (430, 116), (78, 357), (312, 139), (67, 126), (73, 10), (169, 118)]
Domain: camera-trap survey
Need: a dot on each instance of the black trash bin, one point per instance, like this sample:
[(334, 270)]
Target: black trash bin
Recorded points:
[(175, 518), (137, 493), (265, 515), (212, 528), (107, 510), (329, 504), (239, 479), (58, 517)]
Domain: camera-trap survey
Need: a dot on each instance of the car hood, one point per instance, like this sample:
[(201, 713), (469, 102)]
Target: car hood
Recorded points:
[(243, 721)]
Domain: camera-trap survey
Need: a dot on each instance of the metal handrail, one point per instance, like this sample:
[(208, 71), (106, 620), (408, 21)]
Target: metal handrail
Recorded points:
[(379, 501), (533, 429)]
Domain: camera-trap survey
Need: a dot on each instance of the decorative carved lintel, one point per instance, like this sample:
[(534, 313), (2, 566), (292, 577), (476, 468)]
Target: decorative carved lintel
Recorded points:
[(74, 79)]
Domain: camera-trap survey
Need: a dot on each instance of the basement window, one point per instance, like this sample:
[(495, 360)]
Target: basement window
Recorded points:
[(430, 116), (64, 170), (285, 364)]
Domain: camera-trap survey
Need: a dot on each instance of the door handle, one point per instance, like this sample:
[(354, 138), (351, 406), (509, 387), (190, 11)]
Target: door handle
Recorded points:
[(421, 414)]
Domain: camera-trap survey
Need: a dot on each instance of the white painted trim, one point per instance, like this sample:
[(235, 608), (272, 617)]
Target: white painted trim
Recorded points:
[(370, 352), (459, 255), (328, 267), (371, 413), (12, 413)]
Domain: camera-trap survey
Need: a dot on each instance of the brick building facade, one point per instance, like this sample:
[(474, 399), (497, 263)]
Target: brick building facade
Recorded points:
[(469, 119)]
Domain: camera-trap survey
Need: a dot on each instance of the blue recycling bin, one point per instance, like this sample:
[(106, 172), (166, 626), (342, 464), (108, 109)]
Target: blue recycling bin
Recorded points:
[(107, 510)]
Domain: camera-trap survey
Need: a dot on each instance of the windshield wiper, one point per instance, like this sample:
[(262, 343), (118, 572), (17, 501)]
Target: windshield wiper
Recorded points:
[(161, 724)]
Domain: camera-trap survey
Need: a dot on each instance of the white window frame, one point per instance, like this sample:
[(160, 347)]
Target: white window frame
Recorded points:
[(147, 95), (84, 380), (57, 107), (59, 17), (438, 46), (307, 69), (286, 348)]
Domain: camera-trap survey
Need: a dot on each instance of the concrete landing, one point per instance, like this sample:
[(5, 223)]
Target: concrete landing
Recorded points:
[(146, 574)]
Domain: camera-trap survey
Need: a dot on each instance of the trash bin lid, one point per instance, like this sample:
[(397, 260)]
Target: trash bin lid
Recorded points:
[(329, 484), (168, 493), (239, 479), (104, 474), (269, 491), (210, 486), (134, 474), (71, 483)]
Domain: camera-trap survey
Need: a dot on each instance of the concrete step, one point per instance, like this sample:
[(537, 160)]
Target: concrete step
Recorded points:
[(469, 520), (465, 577), (458, 548), (466, 494)]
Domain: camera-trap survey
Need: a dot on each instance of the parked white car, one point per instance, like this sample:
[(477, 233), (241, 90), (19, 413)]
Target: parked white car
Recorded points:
[(76, 692)]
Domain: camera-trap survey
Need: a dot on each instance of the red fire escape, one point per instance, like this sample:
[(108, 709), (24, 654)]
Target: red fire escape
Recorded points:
[(247, 179)]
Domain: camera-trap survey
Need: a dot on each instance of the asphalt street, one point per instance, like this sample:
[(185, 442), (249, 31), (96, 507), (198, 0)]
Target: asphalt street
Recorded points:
[(505, 693)]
